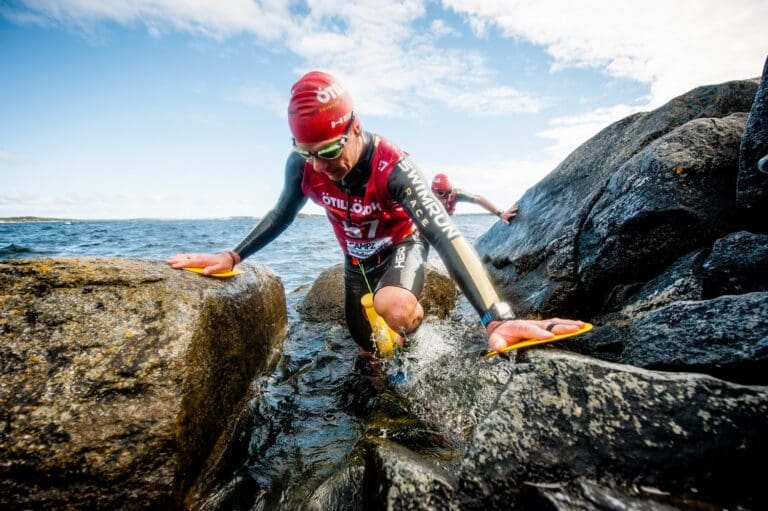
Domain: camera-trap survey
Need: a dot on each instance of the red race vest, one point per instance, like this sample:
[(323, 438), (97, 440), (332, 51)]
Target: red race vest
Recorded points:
[(450, 202), (376, 222)]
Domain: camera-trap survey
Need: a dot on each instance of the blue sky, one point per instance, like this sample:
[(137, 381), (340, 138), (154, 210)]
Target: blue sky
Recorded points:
[(176, 109)]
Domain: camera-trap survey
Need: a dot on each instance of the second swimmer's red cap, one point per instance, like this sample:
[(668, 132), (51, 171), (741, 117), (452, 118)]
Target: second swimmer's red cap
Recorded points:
[(320, 108), (441, 183)]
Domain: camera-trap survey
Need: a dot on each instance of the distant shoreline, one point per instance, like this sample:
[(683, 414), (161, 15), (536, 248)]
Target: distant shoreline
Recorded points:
[(30, 219), (37, 219)]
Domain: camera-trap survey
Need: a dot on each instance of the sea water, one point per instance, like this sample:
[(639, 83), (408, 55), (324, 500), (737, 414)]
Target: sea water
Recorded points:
[(298, 255)]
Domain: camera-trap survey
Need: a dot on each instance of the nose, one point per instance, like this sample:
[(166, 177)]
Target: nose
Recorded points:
[(319, 164)]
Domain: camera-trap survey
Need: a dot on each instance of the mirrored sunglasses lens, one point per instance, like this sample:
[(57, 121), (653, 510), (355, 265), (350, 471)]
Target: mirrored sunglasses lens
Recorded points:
[(304, 154), (330, 153)]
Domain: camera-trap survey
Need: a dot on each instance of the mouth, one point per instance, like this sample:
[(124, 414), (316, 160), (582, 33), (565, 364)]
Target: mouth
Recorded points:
[(334, 174)]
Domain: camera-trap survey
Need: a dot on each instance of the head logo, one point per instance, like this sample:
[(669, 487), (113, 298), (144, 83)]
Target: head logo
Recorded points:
[(326, 94), (341, 120)]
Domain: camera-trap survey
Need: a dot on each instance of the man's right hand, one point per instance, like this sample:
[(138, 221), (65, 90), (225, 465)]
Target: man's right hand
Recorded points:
[(211, 263)]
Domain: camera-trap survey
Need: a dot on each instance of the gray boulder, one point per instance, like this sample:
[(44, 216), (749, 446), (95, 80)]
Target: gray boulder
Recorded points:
[(586, 495), (118, 376), (325, 299), (752, 186), (624, 205), (737, 264), (664, 202), (564, 416), (726, 337), (632, 302), (397, 478)]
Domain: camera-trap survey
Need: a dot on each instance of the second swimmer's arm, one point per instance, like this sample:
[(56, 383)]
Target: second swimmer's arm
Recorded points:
[(480, 201)]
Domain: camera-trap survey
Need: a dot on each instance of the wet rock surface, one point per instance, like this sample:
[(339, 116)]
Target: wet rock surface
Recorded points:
[(565, 416), (117, 376)]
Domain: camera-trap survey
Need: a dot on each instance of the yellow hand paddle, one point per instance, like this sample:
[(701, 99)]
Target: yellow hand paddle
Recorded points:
[(221, 274), (533, 342)]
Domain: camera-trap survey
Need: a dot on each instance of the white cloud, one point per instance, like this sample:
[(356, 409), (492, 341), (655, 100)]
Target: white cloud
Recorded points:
[(502, 181), (6, 157), (441, 28), (570, 132), (391, 67), (266, 19), (673, 46)]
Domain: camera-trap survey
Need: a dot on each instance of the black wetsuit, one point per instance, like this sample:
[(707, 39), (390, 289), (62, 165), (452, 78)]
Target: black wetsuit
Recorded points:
[(406, 185)]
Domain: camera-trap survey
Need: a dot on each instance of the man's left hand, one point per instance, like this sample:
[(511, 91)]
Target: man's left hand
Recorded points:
[(509, 214), (506, 333)]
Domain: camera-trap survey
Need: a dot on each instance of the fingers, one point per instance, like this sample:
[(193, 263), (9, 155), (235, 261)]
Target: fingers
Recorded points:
[(183, 260), (510, 332), (215, 268), (560, 326), (210, 262)]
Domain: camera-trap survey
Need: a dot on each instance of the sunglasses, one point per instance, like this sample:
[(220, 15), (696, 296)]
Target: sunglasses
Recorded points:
[(445, 193), (329, 151)]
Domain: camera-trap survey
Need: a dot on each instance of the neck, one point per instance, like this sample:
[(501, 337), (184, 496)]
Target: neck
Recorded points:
[(361, 142)]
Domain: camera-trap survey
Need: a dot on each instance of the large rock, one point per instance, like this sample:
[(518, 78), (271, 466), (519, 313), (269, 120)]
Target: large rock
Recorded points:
[(117, 376), (325, 299), (624, 205), (564, 416), (397, 478), (586, 495), (737, 264), (664, 202), (726, 337), (752, 187)]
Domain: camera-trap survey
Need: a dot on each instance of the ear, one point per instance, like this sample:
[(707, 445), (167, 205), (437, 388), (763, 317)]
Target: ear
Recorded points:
[(357, 129)]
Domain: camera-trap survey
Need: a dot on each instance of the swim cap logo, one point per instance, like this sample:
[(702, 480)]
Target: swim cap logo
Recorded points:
[(326, 94), (341, 120)]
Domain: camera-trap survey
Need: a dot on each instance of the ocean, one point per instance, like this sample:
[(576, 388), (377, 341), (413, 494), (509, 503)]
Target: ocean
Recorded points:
[(298, 255)]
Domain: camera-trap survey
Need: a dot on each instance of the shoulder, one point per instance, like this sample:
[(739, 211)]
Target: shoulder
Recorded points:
[(386, 157), (463, 195), (295, 164)]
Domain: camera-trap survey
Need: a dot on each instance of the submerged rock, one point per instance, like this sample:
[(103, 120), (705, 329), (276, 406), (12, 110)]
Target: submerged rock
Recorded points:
[(397, 478), (118, 376), (325, 299)]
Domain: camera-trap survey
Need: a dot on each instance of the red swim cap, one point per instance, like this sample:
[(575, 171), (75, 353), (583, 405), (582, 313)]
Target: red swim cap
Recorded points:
[(441, 183), (320, 108)]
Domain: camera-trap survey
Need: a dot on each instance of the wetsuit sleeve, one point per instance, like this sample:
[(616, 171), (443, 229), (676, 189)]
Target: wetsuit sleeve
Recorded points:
[(289, 204), (407, 186), (462, 196)]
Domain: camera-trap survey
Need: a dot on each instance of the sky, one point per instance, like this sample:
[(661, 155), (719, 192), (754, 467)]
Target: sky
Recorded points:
[(177, 108)]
